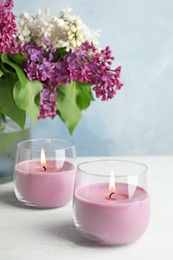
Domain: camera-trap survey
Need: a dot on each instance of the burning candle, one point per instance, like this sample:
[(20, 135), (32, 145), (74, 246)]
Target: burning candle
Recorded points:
[(111, 212), (48, 181)]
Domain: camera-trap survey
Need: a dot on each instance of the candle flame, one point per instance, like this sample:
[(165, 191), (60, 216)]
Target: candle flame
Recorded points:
[(112, 182), (43, 157)]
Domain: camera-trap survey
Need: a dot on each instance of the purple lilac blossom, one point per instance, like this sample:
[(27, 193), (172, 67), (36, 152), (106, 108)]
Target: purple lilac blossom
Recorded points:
[(86, 64), (8, 28), (40, 66)]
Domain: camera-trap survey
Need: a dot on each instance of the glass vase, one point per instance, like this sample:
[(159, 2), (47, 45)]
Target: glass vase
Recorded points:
[(10, 136)]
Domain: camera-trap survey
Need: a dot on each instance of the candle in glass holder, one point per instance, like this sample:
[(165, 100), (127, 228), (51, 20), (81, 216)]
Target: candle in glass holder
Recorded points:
[(110, 213), (45, 183)]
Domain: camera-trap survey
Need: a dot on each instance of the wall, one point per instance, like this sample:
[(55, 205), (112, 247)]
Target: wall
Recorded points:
[(138, 121)]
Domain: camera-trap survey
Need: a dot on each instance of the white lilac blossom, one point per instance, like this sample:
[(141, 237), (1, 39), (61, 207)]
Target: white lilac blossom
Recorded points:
[(66, 30)]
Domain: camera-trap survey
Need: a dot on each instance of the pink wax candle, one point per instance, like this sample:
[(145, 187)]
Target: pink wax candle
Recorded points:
[(118, 219), (44, 189), (48, 188)]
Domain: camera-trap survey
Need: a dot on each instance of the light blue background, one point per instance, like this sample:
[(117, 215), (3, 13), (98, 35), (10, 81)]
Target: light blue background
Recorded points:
[(139, 120)]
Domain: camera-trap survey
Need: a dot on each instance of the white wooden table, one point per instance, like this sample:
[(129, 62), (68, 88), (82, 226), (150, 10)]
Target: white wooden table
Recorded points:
[(33, 234)]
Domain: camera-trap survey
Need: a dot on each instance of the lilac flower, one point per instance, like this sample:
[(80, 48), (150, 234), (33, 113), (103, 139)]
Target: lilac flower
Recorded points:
[(31, 69), (35, 54), (8, 42), (87, 64), (48, 103), (40, 66), (62, 73), (45, 70)]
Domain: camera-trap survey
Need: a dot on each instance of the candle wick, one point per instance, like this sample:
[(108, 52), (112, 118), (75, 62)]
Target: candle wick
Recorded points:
[(111, 194), (44, 168)]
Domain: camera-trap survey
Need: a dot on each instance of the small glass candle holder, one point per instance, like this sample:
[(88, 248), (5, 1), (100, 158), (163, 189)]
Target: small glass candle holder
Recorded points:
[(111, 204), (44, 172)]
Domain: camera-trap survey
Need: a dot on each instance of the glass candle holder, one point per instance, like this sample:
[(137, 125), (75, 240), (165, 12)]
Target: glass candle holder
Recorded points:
[(111, 204), (44, 172)]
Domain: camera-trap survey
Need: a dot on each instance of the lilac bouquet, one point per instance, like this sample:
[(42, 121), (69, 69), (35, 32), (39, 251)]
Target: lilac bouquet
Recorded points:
[(51, 66)]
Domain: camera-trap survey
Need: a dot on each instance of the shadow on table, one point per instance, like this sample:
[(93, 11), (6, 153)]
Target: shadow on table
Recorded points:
[(67, 233), (8, 197), (65, 230)]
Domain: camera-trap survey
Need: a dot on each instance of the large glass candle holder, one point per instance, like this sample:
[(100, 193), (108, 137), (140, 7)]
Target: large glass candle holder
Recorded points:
[(44, 172), (111, 203)]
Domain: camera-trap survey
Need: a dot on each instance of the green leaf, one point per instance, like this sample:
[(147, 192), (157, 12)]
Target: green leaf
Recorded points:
[(84, 95), (6, 68), (1, 73), (17, 58), (21, 75), (8, 106), (67, 107), (59, 54), (27, 98)]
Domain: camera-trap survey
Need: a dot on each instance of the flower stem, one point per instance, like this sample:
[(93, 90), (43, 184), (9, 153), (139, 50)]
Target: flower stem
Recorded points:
[(3, 122)]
